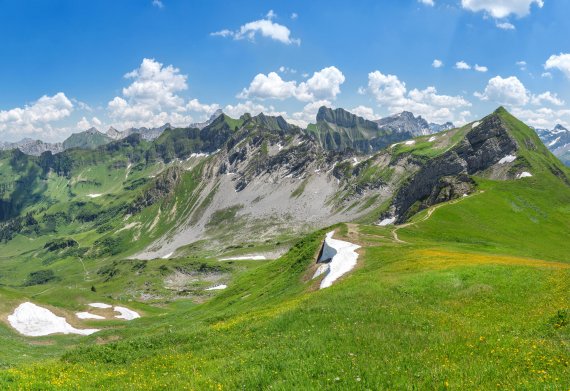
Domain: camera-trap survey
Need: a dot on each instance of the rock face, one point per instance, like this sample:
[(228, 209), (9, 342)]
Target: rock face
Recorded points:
[(33, 147), (436, 128), (341, 131), (448, 176), (202, 125), (405, 122)]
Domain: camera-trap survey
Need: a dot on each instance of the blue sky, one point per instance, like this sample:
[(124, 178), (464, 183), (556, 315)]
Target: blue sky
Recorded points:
[(69, 65)]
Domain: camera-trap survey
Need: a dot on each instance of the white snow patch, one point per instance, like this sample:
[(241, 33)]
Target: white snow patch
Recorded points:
[(475, 124), (35, 321), (343, 258), (432, 138), (196, 155), (88, 315), (554, 142), (280, 146), (126, 313), (167, 255), (507, 159), (388, 221), (410, 142), (217, 287), (94, 195), (99, 305), (524, 174), (355, 160), (246, 257), (322, 269)]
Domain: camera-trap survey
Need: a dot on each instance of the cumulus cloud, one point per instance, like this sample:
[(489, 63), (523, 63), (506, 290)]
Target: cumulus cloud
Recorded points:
[(547, 97), (462, 65), (36, 119), (324, 84), (265, 27), (542, 117), (84, 123), (427, 2), (195, 105), (522, 65), (500, 9), (152, 98), (505, 25), (270, 86), (480, 68), (437, 63), (364, 112), (390, 92), (505, 91), (309, 112), (157, 3), (252, 108), (560, 62)]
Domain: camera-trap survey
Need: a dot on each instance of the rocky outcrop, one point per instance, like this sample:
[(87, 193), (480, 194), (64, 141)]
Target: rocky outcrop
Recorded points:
[(405, 122), (164, 186), (447, 176)]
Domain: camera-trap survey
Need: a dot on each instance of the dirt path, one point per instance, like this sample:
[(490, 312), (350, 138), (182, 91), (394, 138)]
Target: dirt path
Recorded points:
[(428, 215)]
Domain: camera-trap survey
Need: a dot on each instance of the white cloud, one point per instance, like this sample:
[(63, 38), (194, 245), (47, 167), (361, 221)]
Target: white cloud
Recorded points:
[(522, 65), (427, 2), (36, 119), (546, 75), (270, 86), (505, 91), (309, 113), (480, 68), (84, 123), (500, 9), (547, 97), (543, 117), (157, 3), (437, 63), (264, 27), (250, 107), (462, 65), (560, 62), (364, 112), (294, 16), (152, 98), (324, 84), (393, 94), (195, 105), (505, 25)]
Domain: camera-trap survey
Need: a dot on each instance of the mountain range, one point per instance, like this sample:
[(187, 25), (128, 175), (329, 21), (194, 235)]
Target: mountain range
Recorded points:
[(171, 252)]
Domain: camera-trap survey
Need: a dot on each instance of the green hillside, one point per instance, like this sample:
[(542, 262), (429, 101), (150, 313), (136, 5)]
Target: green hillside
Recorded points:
[(470, 292)]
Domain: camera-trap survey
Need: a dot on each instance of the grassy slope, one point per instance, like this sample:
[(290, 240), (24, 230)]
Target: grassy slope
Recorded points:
[(436, 312), (474, 298)]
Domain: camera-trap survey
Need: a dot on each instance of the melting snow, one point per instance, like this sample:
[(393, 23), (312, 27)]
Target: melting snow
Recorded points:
[(507, 159), (94, 195), (167, 255), (554, 142), (322, 269), (99, 305), (246, 257), (126, 313), (217, 287), (475, 124), (35, 321), (197, 155), (524, 174), (410, 142), (387, 221), (342, 257), (432, 138), (87, 315)]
